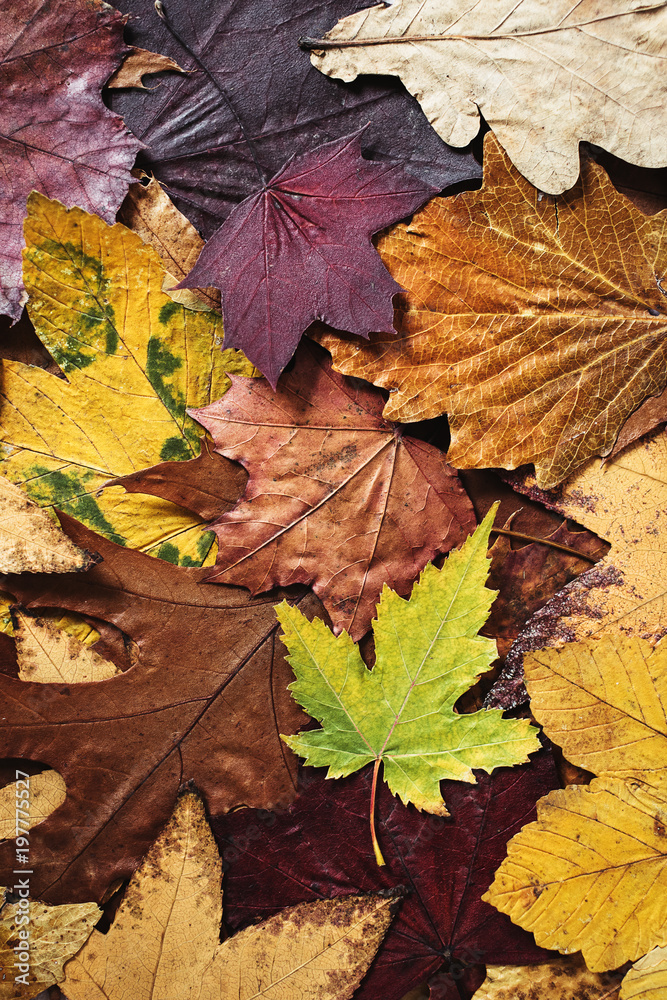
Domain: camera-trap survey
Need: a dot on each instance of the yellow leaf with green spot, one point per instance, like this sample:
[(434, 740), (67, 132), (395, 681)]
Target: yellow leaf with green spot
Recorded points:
[(133, 361)]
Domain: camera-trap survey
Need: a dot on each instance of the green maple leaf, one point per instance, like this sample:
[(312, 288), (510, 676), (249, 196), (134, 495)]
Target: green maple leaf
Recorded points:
[(401, 713)]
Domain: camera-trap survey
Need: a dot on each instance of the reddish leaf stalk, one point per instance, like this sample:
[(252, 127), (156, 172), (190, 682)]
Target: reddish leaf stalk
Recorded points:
[(376, 847)]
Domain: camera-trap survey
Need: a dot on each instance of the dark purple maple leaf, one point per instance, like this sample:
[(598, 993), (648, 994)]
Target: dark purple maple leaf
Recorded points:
[(253, 100), (56, 135), (321, 847), (300, 250)]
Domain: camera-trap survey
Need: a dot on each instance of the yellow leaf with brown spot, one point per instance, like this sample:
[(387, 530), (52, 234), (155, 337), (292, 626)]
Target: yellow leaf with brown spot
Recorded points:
[(536, 324), (49, 655), (590, 874), (53, 934), (561, 979), (30, 541), (623, 502), (164, 941), (133, 361)]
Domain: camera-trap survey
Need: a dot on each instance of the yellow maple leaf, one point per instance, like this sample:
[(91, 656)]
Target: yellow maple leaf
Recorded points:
[(133, 361), (537, 324), (164, 941)]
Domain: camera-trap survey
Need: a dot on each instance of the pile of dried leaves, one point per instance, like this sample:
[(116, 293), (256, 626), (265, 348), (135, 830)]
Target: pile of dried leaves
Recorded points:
[(332, 665)]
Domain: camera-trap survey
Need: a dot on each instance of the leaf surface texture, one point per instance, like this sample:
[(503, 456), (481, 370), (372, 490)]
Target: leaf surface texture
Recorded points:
[(537, 324)]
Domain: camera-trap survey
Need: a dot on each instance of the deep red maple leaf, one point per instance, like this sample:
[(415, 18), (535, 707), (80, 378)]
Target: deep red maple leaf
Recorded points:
[(320, 847), (300, 250), (56, 135), (337, 497), (252, 99)]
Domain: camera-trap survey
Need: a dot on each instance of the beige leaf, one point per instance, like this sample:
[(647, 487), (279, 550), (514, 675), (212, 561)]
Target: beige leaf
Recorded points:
[(564, 978), (624, 502), (151, 213), (544, 75), (54, 934), (604, 702), (647, 979), (314, 951), (138, 62), (47, 655), (47, 792), (30, 542), (163, 944), (168, 924)]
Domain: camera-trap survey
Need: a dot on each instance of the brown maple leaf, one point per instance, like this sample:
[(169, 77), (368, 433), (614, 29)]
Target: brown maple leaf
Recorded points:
[(536, 323), (337, 497), (206, 699)]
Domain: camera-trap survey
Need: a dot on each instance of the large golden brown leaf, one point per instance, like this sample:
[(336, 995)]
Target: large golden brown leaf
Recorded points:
[(537, 324), (164, 941), (544, 75)]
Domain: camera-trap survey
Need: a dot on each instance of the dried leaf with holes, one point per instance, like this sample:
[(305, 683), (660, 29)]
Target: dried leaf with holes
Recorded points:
[(208, 681), (164, 940), (537, 324), (545, 76)]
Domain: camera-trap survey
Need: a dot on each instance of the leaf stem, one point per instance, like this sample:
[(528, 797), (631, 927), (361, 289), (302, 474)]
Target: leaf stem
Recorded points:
[(543, 541), (376, 847)]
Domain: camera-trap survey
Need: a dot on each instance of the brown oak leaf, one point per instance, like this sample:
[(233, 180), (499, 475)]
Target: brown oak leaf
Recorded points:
[(205, 699), (538, 324), (337, 497)]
